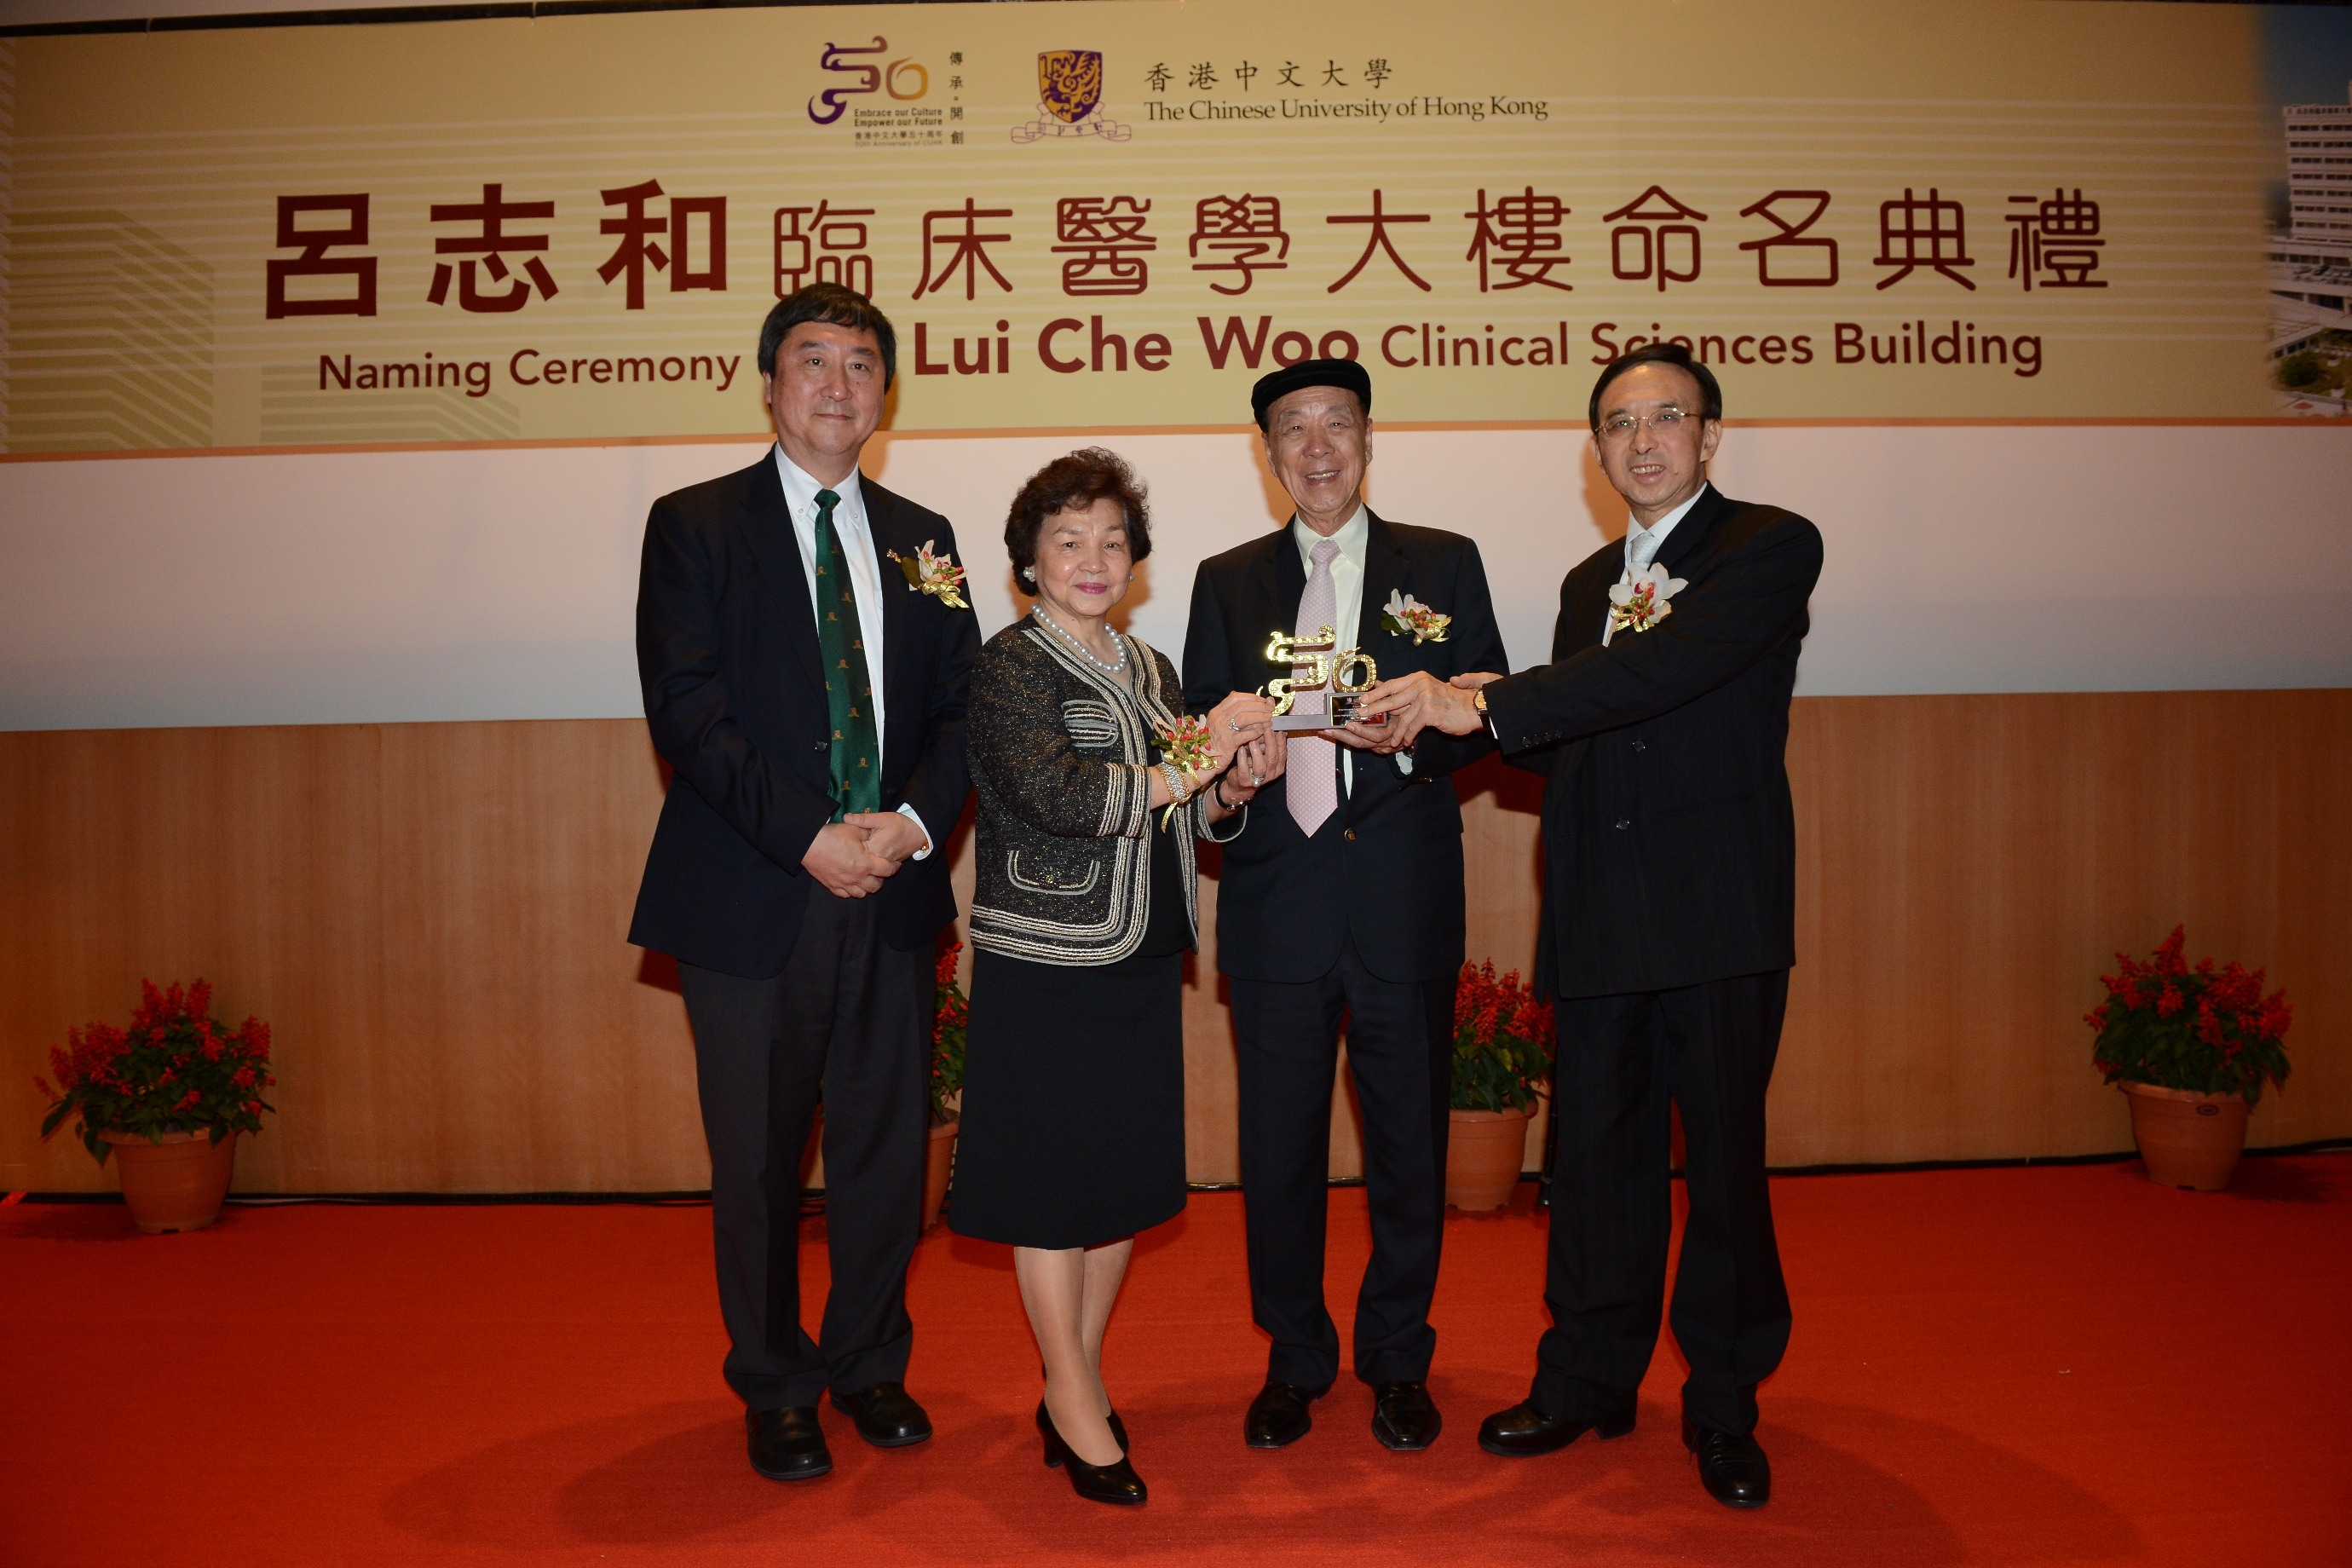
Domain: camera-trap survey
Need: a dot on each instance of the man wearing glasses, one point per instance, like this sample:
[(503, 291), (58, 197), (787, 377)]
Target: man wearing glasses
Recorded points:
[(1669, 921)]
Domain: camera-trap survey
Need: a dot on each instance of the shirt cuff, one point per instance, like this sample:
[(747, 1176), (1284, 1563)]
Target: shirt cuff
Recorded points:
[(924, 852)]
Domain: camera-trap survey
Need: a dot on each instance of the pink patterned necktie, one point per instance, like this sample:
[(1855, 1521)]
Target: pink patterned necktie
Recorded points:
[(1314, 766)]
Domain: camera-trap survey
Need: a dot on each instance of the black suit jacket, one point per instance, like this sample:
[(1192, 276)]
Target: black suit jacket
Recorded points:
[(727, 652), (1388, 872), (1668, 833)]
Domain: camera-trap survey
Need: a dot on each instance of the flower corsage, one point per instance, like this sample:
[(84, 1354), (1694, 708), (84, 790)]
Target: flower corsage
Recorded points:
[(1640, 603), (1409, 618), (1184, 746), (937, 575)]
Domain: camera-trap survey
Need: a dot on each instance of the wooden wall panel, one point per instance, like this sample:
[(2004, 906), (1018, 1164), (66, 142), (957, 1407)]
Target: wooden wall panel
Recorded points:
[(432, 918), (1969, 865)]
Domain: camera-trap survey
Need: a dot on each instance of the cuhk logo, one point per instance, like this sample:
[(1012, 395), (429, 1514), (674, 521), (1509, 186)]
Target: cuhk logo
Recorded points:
[(1069, 96)]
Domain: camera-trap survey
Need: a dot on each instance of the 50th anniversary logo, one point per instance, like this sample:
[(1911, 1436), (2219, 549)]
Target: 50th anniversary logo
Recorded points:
[(1069, 96)]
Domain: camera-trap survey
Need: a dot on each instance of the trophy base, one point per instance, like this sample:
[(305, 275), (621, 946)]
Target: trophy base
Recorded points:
[(1342, 714)]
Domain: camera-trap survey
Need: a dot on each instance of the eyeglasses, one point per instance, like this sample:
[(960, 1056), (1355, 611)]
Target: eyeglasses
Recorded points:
[(1623, 425)]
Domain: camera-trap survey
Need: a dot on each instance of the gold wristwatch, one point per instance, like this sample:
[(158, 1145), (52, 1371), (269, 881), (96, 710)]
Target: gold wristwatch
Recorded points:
[(1478, 700)]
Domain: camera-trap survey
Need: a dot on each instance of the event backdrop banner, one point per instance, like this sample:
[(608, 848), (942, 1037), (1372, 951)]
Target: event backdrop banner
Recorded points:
[(1111, 215)]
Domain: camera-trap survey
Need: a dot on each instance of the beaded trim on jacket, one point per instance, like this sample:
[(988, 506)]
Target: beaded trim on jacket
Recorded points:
[(1037, 709)]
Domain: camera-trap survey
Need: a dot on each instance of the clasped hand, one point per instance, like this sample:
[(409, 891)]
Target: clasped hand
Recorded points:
[(1418, 701), (1249, 753), (852, 857)]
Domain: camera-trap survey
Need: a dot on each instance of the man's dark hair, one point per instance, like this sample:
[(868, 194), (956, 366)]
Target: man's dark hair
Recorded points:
[(1669, 352), (835, 306), (1086, 476)]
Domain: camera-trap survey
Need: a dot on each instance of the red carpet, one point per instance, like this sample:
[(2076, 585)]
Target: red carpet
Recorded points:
[(2011, 1366)]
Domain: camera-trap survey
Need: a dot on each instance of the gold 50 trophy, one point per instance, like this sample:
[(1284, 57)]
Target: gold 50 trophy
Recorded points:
[(1317, 666)]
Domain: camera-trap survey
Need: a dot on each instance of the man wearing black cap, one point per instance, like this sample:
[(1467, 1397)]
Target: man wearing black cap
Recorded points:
[(1344, 898)]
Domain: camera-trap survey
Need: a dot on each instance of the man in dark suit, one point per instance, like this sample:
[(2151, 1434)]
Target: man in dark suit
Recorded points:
[(1669, 921), (810, 702), (1343, 897)]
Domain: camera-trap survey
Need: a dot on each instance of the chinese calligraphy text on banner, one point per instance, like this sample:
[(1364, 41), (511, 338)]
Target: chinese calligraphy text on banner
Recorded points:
[(1107, 216)]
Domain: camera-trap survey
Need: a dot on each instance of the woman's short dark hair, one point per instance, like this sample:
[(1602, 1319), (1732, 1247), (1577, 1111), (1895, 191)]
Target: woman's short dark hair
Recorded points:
[(1667, 352), (835, 306), (1086, 476)]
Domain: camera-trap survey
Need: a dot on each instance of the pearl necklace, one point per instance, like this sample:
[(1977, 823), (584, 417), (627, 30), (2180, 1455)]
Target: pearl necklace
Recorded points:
[(1038, 612)]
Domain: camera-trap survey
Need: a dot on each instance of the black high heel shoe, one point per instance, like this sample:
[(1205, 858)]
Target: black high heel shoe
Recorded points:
[(1054, 1460), (1114, 1483)]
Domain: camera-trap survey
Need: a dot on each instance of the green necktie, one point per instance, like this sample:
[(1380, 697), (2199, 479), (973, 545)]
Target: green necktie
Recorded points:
[(848, 690)]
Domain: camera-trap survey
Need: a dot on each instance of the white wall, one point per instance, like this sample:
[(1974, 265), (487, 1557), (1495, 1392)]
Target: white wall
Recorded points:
[(344, 587)]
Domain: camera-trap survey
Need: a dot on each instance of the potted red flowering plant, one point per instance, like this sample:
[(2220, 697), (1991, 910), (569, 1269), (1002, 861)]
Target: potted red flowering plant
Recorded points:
[(948, 1016), (169, 1094), (1502, 1057), (2193, 1047)]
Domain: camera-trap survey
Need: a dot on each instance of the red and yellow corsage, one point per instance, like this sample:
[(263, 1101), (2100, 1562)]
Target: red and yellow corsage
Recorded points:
[(937, 575)]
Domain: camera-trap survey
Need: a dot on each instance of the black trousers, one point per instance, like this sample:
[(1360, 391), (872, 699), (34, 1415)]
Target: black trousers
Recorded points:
[(849, 1016), (1709, 1050), (1401, 1052)]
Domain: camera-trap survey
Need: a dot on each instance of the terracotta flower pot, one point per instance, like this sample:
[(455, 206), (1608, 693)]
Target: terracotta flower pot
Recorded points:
[(1483, 1152), (2187, 1140), (938, 1160), (178, 1185)]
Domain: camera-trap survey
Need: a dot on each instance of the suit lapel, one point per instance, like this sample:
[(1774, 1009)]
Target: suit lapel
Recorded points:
[(1585, 614), (1692, 533), (1269, 603), (1280, 579), (767, 525), (1387, 570)]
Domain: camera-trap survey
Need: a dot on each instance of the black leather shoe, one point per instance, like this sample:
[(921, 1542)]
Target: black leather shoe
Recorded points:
[(1116, 1483), (787, 1445), (1052, 1460), (1523, 1431), (1733, 1470), (1404, 1418), (885, 1416), (1279, 1416)]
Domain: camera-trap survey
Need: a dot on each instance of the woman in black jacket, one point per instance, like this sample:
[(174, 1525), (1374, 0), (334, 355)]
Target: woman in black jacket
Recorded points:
[(1074, 1090)]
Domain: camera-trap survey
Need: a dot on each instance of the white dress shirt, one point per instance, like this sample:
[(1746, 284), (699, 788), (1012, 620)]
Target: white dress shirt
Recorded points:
[(849, 526), (1348, 596)]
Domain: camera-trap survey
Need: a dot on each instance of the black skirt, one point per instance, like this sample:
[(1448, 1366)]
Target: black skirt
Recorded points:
[(1074, 1094)]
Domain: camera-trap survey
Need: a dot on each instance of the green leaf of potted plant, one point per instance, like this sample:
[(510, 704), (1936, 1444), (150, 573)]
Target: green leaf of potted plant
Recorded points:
[(2193, 1047), (949, 1014), (169, 1094), (1502, 1059)]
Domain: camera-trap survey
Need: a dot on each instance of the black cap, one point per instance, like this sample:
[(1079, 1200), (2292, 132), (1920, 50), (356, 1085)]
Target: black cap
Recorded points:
[(1341, 373)]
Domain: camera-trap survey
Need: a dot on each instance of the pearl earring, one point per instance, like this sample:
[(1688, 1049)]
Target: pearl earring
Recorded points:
[(1029, 574)]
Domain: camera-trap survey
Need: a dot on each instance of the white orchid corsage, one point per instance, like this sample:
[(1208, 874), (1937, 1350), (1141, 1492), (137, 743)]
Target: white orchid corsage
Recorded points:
[(1639, 602), (937, 575), (1409, 618)]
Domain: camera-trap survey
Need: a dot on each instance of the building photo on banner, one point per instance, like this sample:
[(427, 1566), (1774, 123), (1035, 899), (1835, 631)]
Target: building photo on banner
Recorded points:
[(1897, 463)]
